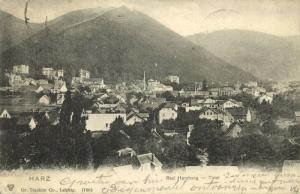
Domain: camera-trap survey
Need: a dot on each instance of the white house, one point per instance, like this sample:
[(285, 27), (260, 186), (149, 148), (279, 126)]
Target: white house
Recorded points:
[(173, 79), (39, 89), (102, 121), (5, 114), (60, 73), (45, 100), (216, 114), (84, 74), (48, 72), (265, 98), (251, 84), (230, 104), (168, 112), (156, 86), (63, 88), (21, 69), (134, 117), (192, 108), (28, 121)]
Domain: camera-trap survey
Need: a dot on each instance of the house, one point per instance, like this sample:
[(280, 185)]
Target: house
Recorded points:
[(63, 88), (213, 92), (102, 121), (265, 98), (226, 91), (148, 162), (234, 130), (84, 74), (297, 116), (192, 108), (173, 79), (156, 86), (48, 72), (27, 121), (152, 103), (252, 91), (240, 114), (126, 151), (168, 111), (251, 84), (216, 114), (110, 108), (5, 114), (170, 132), (223, 104), (39, 89), (45, 100), (60, 73), (134, 117), (45, 88), (21, 69), (15, 79)]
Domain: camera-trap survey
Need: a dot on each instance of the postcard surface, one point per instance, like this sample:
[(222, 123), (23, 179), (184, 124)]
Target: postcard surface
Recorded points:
[(150, 96)]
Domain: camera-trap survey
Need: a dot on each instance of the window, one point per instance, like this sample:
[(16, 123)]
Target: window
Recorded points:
[(106, 125)]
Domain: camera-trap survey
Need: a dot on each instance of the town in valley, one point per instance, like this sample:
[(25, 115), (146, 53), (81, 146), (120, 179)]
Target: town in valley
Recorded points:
[(147, 123)]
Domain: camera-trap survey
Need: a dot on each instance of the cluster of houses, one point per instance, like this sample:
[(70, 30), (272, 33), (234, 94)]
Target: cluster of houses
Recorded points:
[(135, 102), (109, 103)]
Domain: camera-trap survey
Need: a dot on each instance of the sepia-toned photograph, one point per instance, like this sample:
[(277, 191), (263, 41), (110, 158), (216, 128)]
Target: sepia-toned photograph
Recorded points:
[(150, 96)]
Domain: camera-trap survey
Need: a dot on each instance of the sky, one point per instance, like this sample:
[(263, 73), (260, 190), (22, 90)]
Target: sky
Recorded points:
[(186, 17)]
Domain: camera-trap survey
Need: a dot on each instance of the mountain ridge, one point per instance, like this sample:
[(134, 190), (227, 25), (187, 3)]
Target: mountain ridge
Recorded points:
[(121, 43), (266, 56), (14, 30)]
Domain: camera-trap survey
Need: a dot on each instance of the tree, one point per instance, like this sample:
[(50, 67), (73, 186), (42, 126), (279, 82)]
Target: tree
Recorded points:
[(204, 85), (221, 151), (8, 145), (168, 96), (4, 80), (176, 153), (204, 132), (66, 112), (254, 149), (289, 151), (269, 127), (117, 135), (294, 130)]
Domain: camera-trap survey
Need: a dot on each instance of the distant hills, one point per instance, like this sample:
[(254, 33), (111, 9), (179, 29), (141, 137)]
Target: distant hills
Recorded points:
[(265, 56), (14, 30), (118, 44)]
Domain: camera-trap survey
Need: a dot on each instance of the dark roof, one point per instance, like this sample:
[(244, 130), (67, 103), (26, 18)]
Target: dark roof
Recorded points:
[(168, 105), (231, 128), (24, 120), (140, 115), (218, 111), (249, 129), (237, 111)]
